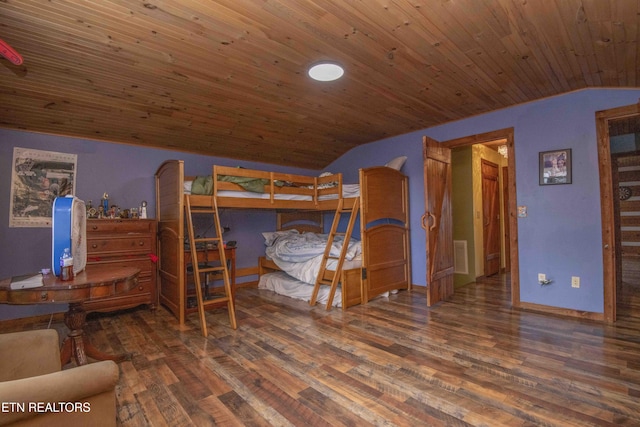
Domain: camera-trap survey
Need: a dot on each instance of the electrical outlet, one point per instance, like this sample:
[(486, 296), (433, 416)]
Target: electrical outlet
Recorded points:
[(575, 282), (542, 277)]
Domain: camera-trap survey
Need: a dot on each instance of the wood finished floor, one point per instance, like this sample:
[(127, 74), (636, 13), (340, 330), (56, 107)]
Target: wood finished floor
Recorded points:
[(471, 361)]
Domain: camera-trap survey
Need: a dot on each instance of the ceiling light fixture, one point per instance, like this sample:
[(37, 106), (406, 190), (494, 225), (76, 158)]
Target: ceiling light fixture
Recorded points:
[(326, 71), (504, 151)]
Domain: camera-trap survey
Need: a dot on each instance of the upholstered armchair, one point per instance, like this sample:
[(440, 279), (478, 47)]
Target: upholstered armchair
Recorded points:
[(34, 391)]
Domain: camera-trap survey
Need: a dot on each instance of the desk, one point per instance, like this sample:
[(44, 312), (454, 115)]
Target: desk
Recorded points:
[(93, 283), (213, 255)]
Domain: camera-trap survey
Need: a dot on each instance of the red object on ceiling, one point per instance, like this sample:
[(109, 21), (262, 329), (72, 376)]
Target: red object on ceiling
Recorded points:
[(9, 53)]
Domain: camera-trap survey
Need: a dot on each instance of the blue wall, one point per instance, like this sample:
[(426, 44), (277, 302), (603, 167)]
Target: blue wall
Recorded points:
[(561, 236), (125, 172)]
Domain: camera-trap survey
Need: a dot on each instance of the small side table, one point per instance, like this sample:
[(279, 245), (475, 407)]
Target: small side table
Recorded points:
[(93, 283)]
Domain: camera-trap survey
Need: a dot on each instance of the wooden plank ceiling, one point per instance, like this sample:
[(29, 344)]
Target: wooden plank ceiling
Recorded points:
[(228, 77)]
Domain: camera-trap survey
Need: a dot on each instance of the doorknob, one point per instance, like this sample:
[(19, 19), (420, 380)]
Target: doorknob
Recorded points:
[(434, 221), (423, 220)]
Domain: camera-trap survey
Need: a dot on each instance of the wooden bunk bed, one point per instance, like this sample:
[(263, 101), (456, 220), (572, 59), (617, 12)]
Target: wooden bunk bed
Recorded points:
[(382, 195), (310, 222)]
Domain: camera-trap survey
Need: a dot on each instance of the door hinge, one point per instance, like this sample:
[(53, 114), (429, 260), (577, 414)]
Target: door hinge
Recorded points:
[(364, 273)]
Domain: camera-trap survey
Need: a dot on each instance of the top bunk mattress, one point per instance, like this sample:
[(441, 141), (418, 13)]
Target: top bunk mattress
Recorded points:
[(348, 191)]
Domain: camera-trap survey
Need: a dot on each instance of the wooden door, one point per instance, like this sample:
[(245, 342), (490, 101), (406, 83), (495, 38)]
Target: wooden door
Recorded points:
[(607, 193), (490, 217), (625, 171), (437, 221)]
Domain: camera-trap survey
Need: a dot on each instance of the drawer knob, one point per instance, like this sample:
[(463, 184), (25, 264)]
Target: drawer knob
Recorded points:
[(94, 246), (141, 243)]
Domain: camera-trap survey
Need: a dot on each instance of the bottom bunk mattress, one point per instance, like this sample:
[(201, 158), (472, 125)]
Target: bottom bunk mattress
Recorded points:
[(283, 284)]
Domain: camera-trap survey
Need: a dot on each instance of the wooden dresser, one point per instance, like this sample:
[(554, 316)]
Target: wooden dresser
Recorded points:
[(125, 243)]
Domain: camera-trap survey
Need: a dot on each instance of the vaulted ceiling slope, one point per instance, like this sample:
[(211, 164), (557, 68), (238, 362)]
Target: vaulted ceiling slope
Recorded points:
[(228, 77)]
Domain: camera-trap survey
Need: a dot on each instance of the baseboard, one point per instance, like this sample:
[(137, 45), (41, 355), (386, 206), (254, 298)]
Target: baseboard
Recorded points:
[(251, 284), (247, 271), (24, 322), (546, 309)]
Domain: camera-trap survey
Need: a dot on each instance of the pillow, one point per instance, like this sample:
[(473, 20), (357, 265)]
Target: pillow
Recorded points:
[(397, 163), (187, 187), (202, 185), (270, 237)]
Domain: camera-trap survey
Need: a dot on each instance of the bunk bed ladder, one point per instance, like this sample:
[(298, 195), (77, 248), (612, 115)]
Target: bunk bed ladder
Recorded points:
[(335, 279), (205, 268)]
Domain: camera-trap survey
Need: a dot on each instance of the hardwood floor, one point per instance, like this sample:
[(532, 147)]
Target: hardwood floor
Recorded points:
[(471, 361), (628, 294)]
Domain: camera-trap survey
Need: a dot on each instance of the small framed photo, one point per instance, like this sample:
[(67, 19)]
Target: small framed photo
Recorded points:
[(555, 167)]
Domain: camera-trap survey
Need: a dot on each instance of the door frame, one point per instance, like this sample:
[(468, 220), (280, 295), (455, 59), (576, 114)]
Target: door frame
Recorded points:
[(505, 213), (507, 134), (606, 204)]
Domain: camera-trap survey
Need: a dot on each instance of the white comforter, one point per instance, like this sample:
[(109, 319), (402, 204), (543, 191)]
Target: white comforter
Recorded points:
[(300, 255)]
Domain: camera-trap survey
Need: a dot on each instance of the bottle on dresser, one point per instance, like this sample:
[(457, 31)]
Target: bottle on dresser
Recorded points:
[(66, 265)]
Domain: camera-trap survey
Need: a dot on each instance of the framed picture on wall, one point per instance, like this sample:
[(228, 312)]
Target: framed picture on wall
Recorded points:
[(555, 167), (37, 178)]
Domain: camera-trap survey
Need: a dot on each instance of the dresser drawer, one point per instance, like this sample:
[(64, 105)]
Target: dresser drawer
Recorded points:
[(146, 266), (143, 293), (120, 245), (120, 226)]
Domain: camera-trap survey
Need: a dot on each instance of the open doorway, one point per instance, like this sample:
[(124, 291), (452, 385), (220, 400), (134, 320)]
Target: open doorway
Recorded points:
[(478, 173), (510, 250), (619, 159)]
